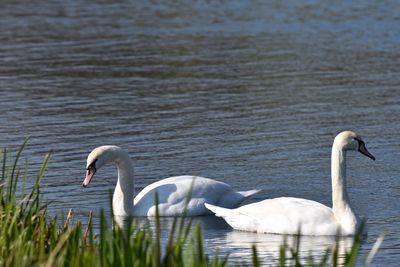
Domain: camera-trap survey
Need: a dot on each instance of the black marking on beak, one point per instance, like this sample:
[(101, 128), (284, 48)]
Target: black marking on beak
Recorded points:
[(92, 167), (90, 171), (362, 149)]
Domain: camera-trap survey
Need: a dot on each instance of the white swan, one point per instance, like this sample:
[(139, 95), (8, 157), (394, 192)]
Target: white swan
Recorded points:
[(172, 192), (286, 215)]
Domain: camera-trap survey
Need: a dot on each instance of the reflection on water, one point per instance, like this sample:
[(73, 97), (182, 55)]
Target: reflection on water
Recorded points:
[(251, 93), (240, 242), (269, 245)]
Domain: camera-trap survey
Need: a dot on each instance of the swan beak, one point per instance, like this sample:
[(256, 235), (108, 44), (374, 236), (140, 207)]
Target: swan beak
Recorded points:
[(89, 175), (363, 150)]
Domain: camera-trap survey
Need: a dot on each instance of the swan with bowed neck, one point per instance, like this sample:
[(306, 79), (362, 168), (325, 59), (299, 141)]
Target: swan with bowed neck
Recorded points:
[(286, 215), (173, 192)]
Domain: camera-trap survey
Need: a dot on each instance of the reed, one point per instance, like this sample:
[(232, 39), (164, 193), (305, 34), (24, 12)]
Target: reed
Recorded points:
[(29, 237)]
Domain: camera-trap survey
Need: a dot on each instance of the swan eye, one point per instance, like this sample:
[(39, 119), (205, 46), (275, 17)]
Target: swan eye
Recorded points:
[(360, 142), (92, 167)]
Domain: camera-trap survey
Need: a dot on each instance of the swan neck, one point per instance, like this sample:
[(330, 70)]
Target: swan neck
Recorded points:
[(124, 190), (344, 215), (340, 200)]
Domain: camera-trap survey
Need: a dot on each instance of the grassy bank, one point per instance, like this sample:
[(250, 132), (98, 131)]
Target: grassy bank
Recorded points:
[(29, 237)]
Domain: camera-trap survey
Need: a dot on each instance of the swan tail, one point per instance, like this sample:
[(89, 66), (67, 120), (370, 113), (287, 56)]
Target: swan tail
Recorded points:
[(249, 193), (219, 211)]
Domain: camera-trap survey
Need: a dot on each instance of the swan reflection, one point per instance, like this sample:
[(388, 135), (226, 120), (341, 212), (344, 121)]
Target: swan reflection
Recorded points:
[(269, 245), (217, 233)]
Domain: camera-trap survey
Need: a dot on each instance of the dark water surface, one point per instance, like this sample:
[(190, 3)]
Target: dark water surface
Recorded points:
[(247, 92)]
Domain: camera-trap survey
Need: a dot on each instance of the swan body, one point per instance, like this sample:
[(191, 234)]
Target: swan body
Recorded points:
[(287, 215), (174, 193)]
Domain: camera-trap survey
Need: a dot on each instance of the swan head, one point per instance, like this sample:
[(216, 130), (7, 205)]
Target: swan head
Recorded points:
[(98, 158), (348, 140)]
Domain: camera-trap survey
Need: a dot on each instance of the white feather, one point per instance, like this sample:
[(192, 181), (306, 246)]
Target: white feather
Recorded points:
[(176, 195), (288, 215)]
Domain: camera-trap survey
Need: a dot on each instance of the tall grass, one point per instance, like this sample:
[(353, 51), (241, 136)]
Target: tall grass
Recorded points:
[(29, 237)]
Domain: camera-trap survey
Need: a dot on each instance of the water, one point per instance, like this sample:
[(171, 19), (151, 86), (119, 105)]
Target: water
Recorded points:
[(247, 92)]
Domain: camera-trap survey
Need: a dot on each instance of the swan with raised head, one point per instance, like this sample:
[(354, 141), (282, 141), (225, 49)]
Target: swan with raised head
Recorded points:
[(287, 215), (173, 192)]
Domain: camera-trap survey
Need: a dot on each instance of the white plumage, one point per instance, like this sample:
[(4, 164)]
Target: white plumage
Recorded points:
[(174, 193), (288, 215)]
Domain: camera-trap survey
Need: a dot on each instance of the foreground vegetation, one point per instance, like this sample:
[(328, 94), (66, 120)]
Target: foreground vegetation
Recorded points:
[(28, 237)]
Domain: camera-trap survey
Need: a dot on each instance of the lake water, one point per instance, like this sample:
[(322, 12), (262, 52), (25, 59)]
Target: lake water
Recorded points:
[(247, 92)]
